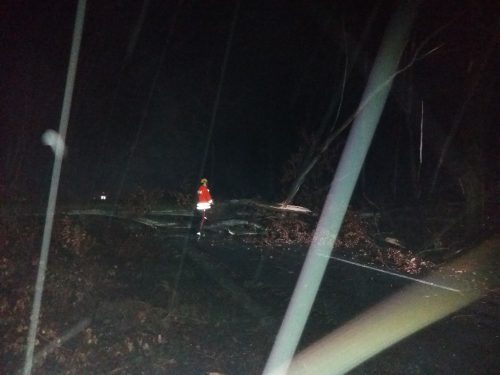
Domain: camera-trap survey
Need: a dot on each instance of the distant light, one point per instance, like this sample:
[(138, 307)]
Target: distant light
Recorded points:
[(103, 197)]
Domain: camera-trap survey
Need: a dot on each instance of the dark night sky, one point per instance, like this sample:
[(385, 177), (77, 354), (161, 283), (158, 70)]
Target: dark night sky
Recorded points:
[(286, 62)]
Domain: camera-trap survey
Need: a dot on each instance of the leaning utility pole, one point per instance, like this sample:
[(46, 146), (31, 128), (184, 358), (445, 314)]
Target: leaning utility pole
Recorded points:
[(372, 104)]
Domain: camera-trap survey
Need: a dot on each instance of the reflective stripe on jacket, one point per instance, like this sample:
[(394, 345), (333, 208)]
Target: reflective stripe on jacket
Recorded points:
[(204, 198)]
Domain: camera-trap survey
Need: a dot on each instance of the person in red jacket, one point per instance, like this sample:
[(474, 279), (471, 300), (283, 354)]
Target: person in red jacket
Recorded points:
[(205, 201)]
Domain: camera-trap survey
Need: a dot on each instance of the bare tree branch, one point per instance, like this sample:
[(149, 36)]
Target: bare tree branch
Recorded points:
[(311, 160)]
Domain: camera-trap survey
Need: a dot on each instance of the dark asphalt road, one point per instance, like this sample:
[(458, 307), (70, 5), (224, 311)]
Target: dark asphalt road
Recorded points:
[(465, 342)]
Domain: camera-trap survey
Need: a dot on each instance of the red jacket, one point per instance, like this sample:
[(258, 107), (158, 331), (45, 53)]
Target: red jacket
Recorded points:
[(204, 198)]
